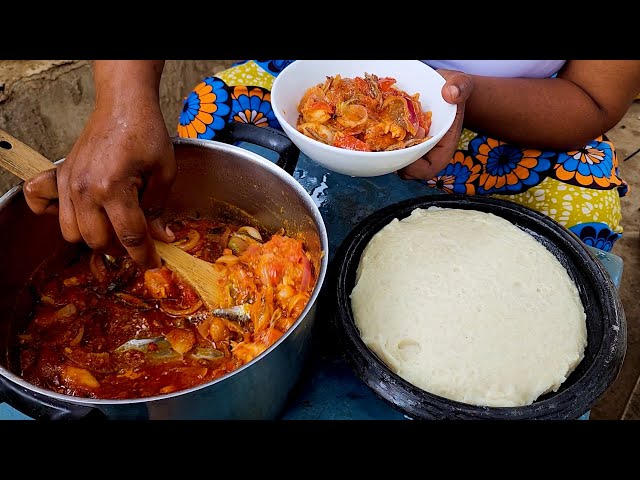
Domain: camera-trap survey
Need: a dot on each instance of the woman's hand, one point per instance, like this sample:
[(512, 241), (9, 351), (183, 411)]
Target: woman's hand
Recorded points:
[(113, 184), (456, 90)]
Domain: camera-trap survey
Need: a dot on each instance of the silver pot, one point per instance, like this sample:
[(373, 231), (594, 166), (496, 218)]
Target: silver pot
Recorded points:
[(213, 177)]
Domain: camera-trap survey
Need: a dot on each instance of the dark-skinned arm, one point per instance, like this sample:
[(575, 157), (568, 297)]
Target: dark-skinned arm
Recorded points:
[(113, 184), (587, 99)]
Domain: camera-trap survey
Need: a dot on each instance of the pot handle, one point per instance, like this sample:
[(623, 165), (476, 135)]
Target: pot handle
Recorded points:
[(266, 137), (41, 407)]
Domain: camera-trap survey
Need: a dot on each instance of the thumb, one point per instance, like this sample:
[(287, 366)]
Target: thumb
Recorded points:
[(41, 192), (458, 86), (159, 229)]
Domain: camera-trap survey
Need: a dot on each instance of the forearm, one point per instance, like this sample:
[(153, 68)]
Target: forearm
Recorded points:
[(127, 83), (550, 113)]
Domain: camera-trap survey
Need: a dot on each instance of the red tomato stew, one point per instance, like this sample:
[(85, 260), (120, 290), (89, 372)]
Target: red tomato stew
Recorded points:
[(104, 328), (367, 113)]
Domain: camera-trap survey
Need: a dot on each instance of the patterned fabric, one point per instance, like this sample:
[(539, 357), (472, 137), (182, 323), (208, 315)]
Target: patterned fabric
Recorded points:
[(252, 105), (580, 189), (240, 93), (591, 166), (205, 110), (507, 169), (596, 234), (459, 176)]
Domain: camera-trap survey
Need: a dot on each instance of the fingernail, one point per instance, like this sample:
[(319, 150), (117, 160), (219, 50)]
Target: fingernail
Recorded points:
[(169, 233), (454, 91)]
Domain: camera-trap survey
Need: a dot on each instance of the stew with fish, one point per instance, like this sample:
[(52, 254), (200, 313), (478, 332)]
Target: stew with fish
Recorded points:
[(104, 328), (368, 114)]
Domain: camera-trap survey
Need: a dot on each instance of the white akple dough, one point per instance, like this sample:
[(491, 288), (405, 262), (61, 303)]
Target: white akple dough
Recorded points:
[(465, 305)]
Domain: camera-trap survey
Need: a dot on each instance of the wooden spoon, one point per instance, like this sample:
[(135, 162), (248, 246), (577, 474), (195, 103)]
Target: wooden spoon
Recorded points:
[(206, 278)]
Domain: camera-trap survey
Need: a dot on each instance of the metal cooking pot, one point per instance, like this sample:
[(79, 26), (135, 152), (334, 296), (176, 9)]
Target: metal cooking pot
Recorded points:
[(213, 177)]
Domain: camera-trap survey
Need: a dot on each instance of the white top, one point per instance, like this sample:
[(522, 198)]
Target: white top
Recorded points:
[(502, 68)]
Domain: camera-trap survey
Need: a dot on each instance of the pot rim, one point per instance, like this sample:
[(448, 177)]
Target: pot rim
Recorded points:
[(260, 162)]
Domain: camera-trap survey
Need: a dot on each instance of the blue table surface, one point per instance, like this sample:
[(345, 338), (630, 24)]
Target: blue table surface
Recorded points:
[(328, 388)]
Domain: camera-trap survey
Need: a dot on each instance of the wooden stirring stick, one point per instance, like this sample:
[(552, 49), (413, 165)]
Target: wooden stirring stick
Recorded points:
[(206, 278)]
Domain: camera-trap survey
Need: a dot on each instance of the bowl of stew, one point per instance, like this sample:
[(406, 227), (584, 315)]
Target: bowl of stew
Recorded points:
[(362, 117)]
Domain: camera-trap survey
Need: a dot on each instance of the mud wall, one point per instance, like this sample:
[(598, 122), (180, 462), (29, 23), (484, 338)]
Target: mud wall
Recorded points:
[(45, 103)]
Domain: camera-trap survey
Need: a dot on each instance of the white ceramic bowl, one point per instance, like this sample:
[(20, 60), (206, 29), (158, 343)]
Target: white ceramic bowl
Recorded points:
[(412, 76)]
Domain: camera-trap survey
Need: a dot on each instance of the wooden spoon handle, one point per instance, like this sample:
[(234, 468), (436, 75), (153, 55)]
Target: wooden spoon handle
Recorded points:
[(203, 276), (25, 162), (20, 159)]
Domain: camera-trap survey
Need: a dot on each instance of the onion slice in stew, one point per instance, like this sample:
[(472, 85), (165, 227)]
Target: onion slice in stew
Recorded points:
[(184, 312)]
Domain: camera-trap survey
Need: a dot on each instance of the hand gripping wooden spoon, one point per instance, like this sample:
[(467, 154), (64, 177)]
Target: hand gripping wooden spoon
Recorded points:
[(206, 278)]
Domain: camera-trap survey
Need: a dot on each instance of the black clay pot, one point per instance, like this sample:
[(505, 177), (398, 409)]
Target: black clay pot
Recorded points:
[(606, 325)]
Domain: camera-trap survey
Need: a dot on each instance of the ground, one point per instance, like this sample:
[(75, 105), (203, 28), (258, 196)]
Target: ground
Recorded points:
[(626, 136)]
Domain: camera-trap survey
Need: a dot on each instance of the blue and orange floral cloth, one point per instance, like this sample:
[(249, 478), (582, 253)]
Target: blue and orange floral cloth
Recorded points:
[(580, 189)]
